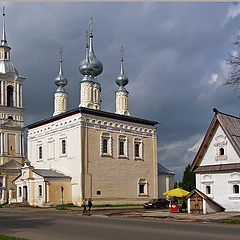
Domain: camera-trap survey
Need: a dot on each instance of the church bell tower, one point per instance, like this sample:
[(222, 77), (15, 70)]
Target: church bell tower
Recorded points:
[(11, 109)]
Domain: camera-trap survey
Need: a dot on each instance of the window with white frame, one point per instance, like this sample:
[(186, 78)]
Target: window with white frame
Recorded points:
[(221, 148), (20, 191), (142, 187), (122, 146), (138, 148), (106, 144)]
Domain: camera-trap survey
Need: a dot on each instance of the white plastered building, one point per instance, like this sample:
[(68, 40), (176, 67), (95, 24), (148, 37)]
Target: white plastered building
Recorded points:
[(217, 163)]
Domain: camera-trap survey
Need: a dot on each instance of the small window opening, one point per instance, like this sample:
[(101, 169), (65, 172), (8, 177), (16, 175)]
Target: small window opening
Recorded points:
[(19, 191), (121, 148), (98, 192), (40, 152), (208, 189), (6, 55), (221, 151), (104, 146), (10, 117), (40, 190), (235, 188), (10, 96), (11, 147), (137, 150), (63, 146), (141, 188)]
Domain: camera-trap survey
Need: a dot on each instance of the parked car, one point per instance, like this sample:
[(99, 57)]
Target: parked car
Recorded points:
[(157, 203)]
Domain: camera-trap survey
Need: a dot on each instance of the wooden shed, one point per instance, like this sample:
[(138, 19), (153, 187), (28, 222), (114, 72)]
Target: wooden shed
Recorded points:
[(198, 202)]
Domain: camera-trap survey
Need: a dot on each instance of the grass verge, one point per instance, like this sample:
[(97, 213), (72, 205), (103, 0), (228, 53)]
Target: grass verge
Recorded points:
[(232, 221), (5, 237), (66, 206)]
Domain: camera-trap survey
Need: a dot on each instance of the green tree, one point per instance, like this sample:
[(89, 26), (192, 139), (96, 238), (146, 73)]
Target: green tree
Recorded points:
[(188, 180)]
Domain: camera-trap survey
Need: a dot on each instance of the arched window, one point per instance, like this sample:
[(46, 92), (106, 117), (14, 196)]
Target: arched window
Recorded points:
[(142, 187), (235, 188), (105, 146), (40, 152), (208, 189), (10, 96), (137, 147), (121, 148), (221, 151), (10, 117), (63, 146)]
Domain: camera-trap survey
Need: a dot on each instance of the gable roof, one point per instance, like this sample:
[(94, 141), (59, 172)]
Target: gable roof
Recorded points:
[(231, 127), (164, 170), (12, 164), (49, 173), (204, 197)]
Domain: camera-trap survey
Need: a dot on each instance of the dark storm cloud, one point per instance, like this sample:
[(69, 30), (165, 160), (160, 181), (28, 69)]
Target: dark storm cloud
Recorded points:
[(175, 61)]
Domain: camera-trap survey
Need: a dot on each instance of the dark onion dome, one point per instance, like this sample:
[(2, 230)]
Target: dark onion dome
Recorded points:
[(60, 80), (96, 64), (122, 79), (85, 66)]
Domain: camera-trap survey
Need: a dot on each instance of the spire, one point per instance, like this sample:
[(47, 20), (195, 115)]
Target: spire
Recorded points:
[(97, 65), (60, 96), (122, 93), (4, 39), (122, 79), (60, 80)]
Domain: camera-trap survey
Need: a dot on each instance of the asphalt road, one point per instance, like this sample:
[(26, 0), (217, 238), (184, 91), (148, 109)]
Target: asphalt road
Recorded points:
[(44, 225)]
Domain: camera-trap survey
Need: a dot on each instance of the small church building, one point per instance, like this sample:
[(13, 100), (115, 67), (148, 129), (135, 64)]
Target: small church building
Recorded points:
[(87, 152), (217, 162)]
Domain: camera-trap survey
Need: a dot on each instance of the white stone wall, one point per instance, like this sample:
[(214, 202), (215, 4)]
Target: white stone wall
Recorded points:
[(219, 140), (50, 137), (221, 188), (165, 183)]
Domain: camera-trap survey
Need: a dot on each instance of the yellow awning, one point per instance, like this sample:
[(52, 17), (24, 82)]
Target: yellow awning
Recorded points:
[(177, 192)]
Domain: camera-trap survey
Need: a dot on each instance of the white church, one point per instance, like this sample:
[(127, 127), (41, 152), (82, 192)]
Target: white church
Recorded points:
[(80, 153)]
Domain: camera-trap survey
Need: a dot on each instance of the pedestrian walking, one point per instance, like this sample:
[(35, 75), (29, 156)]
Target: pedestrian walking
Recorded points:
[(89, 205), (84, 205)]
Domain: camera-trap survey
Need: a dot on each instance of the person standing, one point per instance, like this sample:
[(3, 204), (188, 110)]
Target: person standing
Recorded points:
[(84, 205), (89, 205)]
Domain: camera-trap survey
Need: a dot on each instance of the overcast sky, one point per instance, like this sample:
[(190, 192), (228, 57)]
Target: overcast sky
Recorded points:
[(174, 59)]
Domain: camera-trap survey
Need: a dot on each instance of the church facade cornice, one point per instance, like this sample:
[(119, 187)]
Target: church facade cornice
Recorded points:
[(93, 122)]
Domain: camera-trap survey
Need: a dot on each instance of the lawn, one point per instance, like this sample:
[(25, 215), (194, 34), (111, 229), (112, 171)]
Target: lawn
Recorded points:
[(5, 237)]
